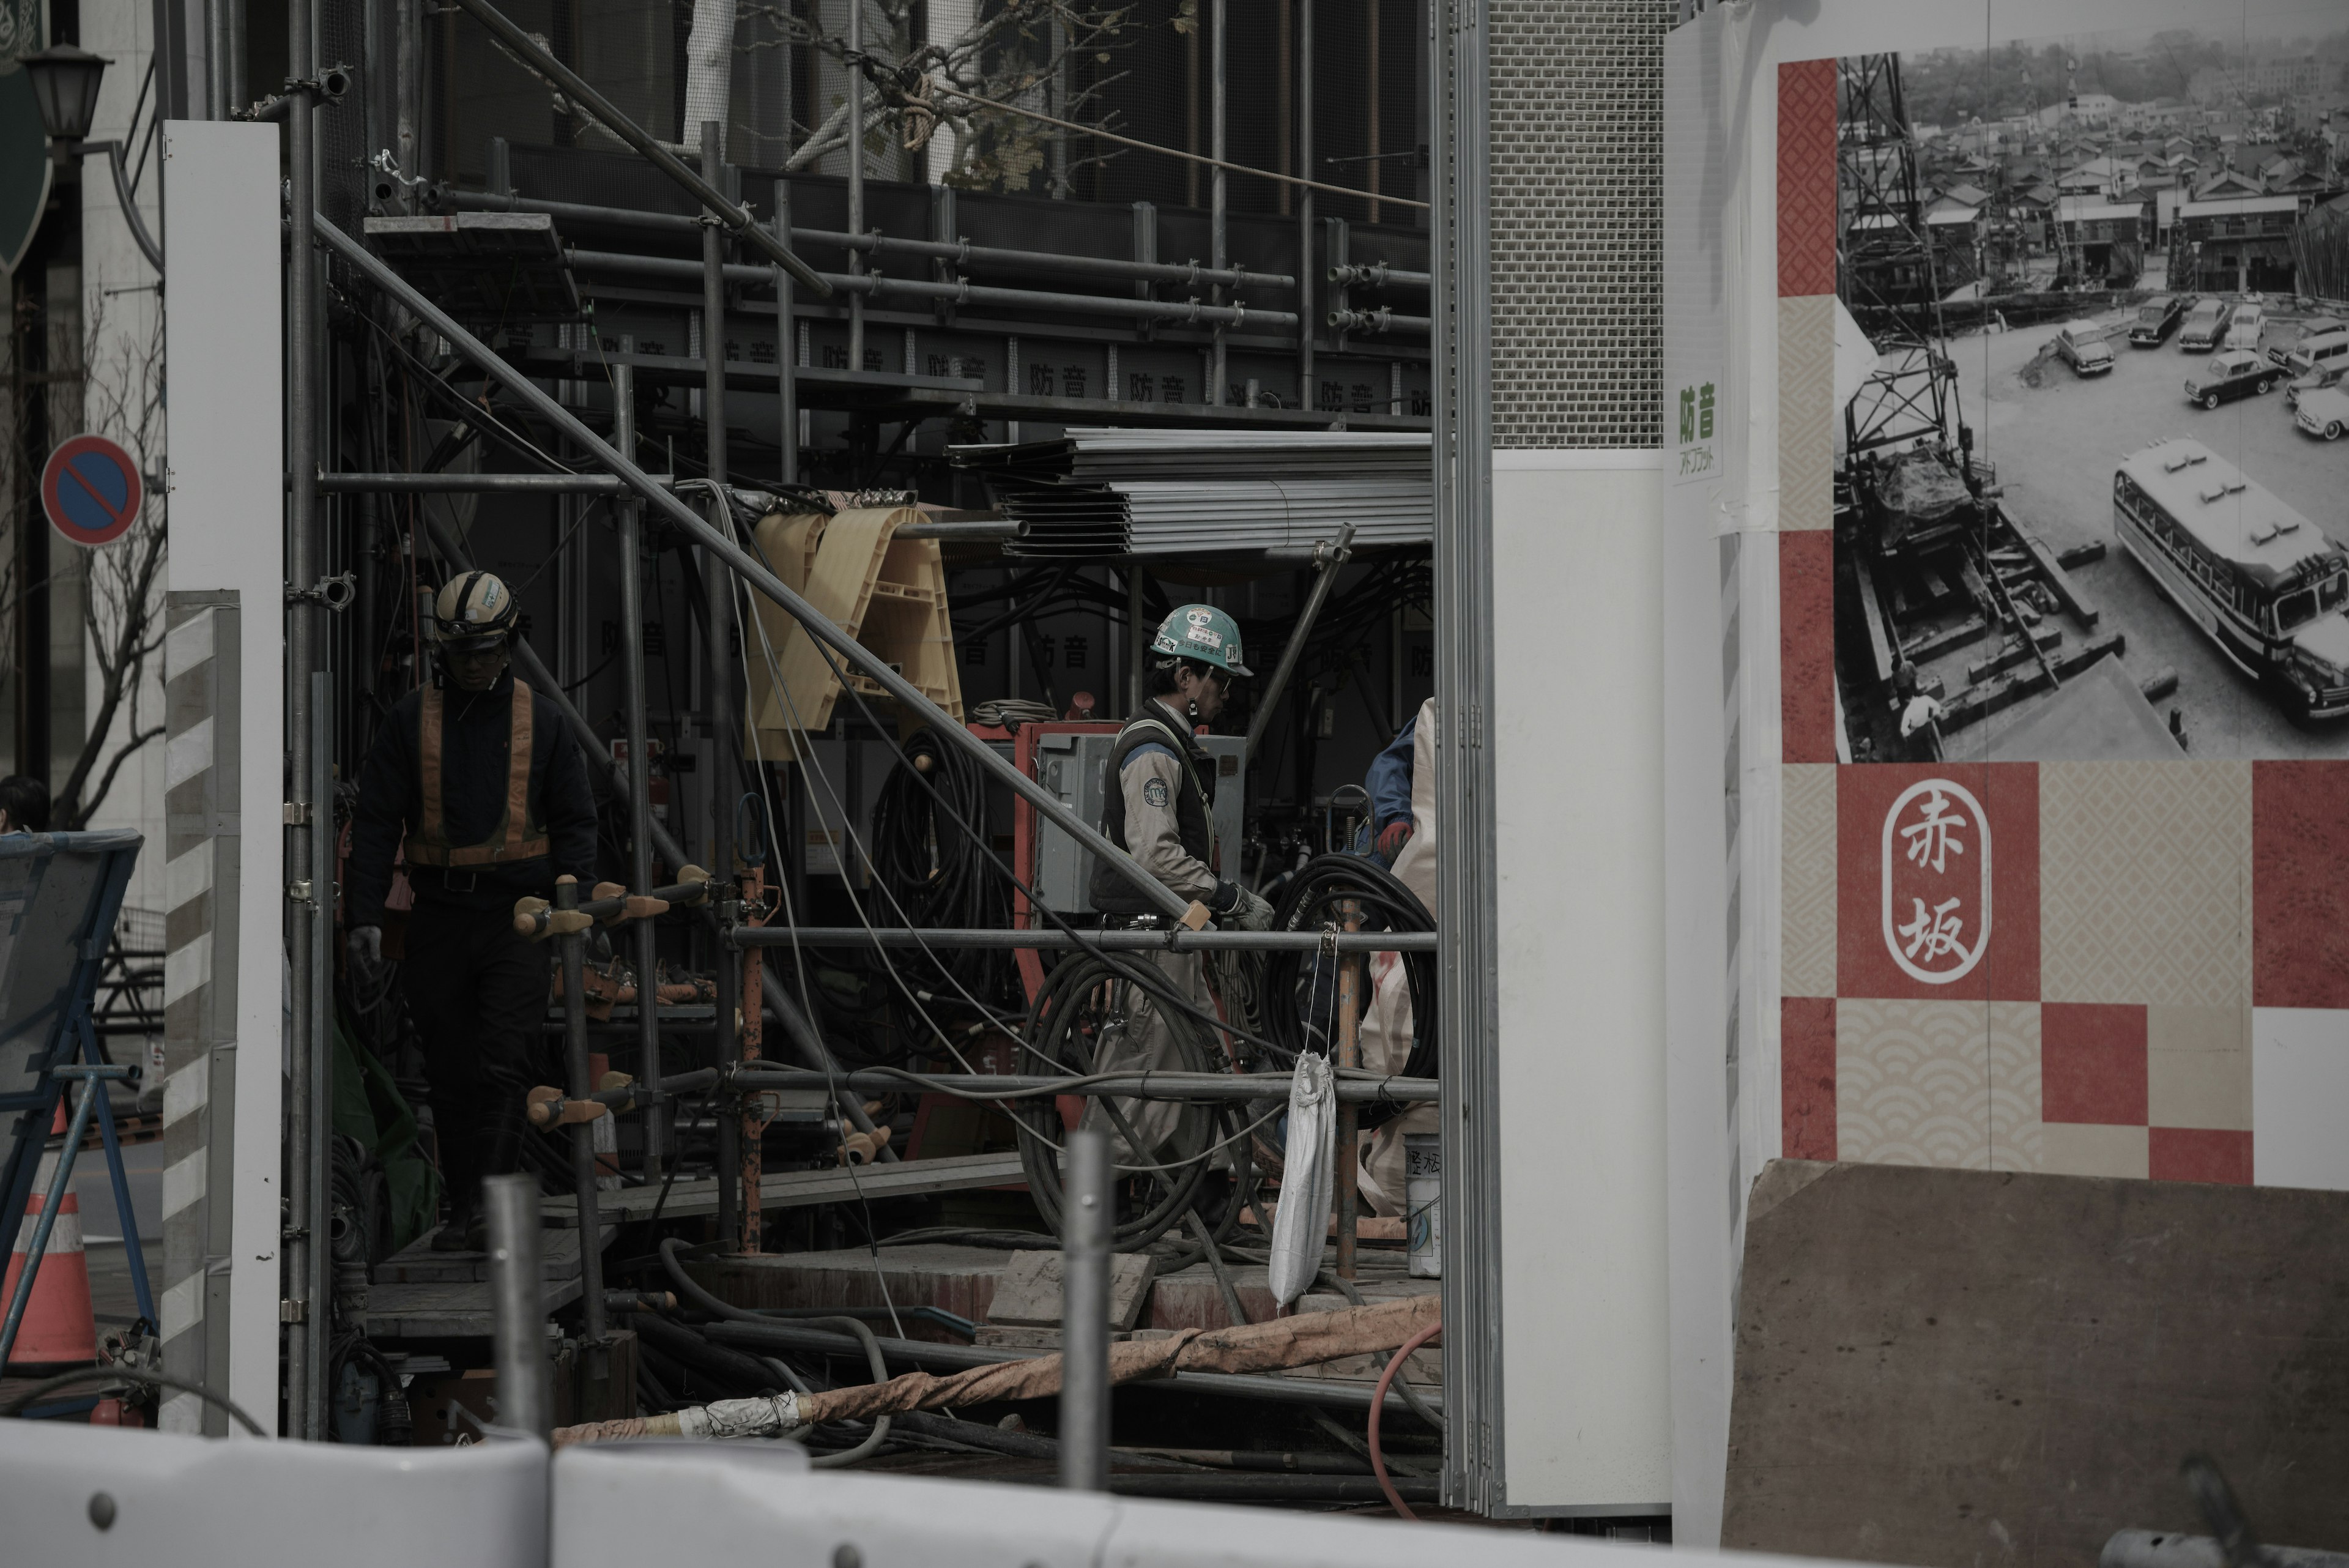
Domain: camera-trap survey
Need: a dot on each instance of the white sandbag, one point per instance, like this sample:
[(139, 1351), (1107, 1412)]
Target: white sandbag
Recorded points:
[(1301, 1223)]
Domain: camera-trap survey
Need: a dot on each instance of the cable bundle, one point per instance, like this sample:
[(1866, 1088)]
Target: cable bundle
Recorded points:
[(934, 870), (1309, 985)]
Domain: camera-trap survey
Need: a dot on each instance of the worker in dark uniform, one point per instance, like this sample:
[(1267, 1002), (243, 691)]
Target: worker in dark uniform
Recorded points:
[(479, 785), (1160, 808)]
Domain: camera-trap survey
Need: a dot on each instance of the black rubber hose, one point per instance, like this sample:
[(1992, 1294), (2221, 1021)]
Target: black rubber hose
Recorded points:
[(1297, 986)]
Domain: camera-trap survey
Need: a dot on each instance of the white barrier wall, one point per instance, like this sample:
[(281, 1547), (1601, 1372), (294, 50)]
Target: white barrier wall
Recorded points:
[(1578, 729), (224, 376)]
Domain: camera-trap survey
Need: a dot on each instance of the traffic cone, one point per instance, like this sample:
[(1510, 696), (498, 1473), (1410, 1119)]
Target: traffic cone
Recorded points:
[(59, 1331)]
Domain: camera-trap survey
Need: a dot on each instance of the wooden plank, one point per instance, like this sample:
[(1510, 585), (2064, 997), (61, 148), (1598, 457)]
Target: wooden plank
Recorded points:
[(835, 1184), (2014, 651), (447, 1309), (2058, 579), (1981, 702), (1932, 644), (1961, 1367)]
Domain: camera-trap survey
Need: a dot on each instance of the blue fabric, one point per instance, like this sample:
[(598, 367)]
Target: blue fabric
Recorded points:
[(1144, 750), (1389, 779)]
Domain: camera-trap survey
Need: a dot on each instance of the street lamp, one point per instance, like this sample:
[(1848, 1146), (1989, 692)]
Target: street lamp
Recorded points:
[(65, 81)]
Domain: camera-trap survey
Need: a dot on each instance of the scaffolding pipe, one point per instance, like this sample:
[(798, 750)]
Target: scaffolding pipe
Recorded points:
[(1084, 1315), (787, 382), (1353, 1089), (1188, 274), (854, 653), (303, 1237), (572, 85), (1305, 388), (855, 177), (628, 521), (725, 740), (1218, 201), (525, 1403), (534, 670), (583, 1133), (1331, 555), (480, 483), (1177, 940), (858, 285)]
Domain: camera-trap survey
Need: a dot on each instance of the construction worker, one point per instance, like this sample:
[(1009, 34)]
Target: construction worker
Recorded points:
[(1402, 783), (475, 780), (1160, 810)]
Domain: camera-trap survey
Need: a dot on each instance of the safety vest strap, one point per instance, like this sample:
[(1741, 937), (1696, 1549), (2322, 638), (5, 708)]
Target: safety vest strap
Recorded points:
[(429, 844)]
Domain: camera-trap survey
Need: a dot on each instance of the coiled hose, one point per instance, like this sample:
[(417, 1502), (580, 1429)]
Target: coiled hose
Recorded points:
[(1299, 987), (933, 868), (1081, 1023)]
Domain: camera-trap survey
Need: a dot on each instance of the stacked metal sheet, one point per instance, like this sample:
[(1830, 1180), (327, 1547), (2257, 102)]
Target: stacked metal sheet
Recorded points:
[(1098, 492)]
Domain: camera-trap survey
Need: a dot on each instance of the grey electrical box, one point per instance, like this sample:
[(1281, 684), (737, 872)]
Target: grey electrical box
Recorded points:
[(1074, 767)]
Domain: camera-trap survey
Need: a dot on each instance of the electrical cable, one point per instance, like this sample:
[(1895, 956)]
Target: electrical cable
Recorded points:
[(1378, 1408), (22, 1397), (689, 1287)]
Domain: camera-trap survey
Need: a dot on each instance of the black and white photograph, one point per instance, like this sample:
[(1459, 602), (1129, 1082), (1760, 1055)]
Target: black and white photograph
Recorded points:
[(2091, 489)]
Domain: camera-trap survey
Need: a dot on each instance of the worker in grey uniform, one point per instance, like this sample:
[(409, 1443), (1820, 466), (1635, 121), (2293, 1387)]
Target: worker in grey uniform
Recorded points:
[(1160, 808)]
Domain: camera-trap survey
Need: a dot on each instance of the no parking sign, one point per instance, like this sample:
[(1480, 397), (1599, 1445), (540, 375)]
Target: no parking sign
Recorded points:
[(91, 490)]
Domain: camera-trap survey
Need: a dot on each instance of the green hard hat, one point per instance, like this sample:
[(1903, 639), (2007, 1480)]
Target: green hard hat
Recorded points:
[(1202, 632)]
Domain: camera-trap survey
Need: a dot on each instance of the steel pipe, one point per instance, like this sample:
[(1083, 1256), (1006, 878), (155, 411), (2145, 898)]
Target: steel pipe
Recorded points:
[(510, 1205), (533, 56), (628, 521), (1335, 557), (858, 285), (973, 532), (1188, 274), (1084, 1315), (1357, 1088), (1177, 940), (717, 623), (478, 483), (583, 1133), (752, 571)]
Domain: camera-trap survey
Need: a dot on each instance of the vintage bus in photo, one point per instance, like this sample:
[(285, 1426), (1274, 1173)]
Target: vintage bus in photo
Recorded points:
[(2262, 582)]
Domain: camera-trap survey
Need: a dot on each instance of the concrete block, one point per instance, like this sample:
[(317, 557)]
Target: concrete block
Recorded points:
[(1029, 1293)]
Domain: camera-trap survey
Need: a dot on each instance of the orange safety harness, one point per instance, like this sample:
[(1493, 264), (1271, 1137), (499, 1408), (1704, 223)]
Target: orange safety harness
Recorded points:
[(429, 844)]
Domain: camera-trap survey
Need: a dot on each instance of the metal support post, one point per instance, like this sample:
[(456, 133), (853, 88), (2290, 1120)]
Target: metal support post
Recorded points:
[(629, 516), (1346, 1152), (754, 1126), (1306, 394), (525, 1403), (1217, 195), (320, 915), (821, 629), (725, 741), (856, 182), (583, 1133), (1137, 640), (306, 898), (1331, 556), (1084, 1315), (787, 385)]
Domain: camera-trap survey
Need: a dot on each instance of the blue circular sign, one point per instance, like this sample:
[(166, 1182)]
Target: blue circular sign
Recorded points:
[(91, 491)]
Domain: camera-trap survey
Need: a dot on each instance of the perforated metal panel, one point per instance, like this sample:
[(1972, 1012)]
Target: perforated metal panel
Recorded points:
[(1576, 221)]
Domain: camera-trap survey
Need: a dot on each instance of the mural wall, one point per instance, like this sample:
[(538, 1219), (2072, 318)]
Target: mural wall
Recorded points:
[(2064, 605)]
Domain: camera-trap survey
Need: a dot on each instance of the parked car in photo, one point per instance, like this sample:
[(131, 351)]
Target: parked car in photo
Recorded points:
[(2244, 326), (2082, 345), (2319, 344), (2231, 374), (2323, 413), (2315, 381), (2205, 324), (2158, 317)]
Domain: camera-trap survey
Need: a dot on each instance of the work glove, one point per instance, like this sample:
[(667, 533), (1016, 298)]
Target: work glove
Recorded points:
[(1392, 839), (1249, 912), (363, 948)]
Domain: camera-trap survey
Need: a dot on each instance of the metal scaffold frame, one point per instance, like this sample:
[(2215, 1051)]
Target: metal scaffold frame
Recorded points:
[(701, 513)]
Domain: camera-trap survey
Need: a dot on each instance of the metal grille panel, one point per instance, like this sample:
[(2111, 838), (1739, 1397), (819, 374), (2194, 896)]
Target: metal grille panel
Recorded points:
[(1577, 221)]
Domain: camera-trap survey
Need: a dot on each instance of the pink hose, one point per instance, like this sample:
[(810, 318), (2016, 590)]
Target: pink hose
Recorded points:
[(1378, 1408)]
